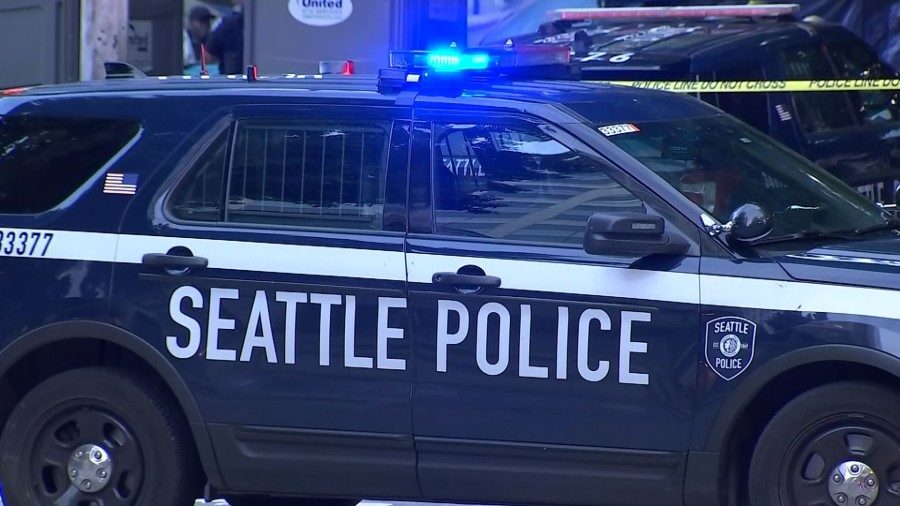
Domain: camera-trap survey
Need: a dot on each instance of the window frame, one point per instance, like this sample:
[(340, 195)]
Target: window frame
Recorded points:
[(393, 116)]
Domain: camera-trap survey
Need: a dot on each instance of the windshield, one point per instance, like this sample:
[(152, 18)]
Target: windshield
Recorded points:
[(720, 164)]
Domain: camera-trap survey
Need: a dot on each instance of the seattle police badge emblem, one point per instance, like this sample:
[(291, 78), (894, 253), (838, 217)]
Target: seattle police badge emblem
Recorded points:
[(729, 345)]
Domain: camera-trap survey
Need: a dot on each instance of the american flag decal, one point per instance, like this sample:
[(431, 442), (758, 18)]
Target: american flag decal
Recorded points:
[(120, 184), (783, 113)]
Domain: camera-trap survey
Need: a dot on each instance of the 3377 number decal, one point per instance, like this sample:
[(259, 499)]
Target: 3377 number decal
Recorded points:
[(24, 243)]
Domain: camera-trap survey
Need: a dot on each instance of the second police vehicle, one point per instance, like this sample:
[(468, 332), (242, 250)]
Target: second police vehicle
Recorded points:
[(854, 133), (434, 285)]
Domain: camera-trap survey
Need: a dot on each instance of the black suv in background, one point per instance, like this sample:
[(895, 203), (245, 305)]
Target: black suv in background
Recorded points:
[(853, 134)]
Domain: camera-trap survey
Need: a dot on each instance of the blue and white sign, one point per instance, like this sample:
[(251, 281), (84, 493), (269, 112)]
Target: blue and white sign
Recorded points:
[(729, 345), (320, 12)]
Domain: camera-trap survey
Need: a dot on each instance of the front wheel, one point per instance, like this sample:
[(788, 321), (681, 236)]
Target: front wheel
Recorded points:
[(97, 436), (834, 445)]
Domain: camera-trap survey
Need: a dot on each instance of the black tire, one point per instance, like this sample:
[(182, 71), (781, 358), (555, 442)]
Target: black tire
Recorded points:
[(153, 460), (801, 447)]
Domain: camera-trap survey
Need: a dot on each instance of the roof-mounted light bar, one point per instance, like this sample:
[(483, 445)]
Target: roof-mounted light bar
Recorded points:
[(480, 60), (700, 11)]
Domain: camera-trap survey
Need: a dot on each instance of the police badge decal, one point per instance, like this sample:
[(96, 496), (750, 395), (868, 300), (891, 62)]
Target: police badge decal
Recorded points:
[(729, 345)]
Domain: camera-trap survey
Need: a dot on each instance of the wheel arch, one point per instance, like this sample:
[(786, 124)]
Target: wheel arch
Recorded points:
[(765, 391), (100, 336)]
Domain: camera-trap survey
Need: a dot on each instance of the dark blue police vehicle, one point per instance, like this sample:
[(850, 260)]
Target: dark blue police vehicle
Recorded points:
[(434, 286), (852, 134)]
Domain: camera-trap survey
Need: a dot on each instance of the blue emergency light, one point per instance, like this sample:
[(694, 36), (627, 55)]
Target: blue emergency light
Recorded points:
[(499, 60), (449, 67), (455, 62)]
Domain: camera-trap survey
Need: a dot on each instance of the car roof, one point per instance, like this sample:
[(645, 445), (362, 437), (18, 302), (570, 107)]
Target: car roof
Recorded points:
[(535, 91), (659, 43), (570, 101)]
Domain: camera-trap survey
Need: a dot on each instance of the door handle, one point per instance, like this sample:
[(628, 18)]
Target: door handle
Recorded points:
[(473, 280), (167, 261)]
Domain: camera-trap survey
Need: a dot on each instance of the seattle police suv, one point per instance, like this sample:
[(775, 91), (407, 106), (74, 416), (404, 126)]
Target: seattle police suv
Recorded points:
[(434, 285), (853, 133)]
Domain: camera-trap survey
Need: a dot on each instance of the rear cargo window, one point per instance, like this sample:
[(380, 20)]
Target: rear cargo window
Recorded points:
[(44, 160)]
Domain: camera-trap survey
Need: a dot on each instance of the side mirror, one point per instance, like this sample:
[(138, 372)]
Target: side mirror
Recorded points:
[(629, 233), (749, 222)]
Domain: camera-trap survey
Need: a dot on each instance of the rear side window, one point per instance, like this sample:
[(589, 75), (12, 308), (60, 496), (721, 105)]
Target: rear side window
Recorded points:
[(199, 196), (309, 174), (44, 160)]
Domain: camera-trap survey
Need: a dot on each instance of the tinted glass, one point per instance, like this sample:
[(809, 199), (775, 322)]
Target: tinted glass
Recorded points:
[(818, 111), (309, 174), (44, 160), (719, 164), (856, 61), (517, 183), (199, 196), (751, 108)]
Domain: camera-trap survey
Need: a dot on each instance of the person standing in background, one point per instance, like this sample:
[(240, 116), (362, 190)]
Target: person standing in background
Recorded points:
[(227, 41), (196, 35)]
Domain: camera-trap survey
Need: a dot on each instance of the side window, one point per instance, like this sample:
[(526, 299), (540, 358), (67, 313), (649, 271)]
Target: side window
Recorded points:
[(817, 111), (751, 108), (43, 160), (199, 196), (856, 61), (309, 174), (517, 183)]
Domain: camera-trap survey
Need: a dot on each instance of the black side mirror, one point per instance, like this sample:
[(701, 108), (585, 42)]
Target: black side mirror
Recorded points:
[(749, 223), (629, 233)]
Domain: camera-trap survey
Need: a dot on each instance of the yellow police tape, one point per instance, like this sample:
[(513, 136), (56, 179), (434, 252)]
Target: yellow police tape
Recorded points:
[(763, 86)]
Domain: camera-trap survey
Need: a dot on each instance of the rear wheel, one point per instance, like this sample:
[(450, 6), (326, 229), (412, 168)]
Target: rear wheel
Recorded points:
[(837, 444), (97, 436)]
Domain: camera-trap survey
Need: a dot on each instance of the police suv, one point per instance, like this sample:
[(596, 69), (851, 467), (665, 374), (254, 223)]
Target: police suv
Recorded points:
[(853, 134), (434, 285)]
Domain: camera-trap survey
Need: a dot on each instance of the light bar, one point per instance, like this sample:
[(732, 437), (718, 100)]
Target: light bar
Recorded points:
[(484, 59), (700, 11)]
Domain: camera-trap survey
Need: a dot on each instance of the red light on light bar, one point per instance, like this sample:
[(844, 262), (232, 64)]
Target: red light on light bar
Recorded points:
[(704, 11), (13, 91), (342, 67)]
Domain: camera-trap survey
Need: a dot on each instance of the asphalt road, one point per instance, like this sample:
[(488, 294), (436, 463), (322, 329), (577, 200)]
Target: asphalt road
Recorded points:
[(364, 503)]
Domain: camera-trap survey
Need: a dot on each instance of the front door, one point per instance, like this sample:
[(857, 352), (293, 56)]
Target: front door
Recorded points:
[(543, 373), (271, 275)]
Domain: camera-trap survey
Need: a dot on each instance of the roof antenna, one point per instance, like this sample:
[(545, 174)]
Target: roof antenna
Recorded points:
[(203, 70)]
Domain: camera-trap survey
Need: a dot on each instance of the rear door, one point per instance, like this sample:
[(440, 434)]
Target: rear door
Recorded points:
[(269, 270), (543, 374)]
